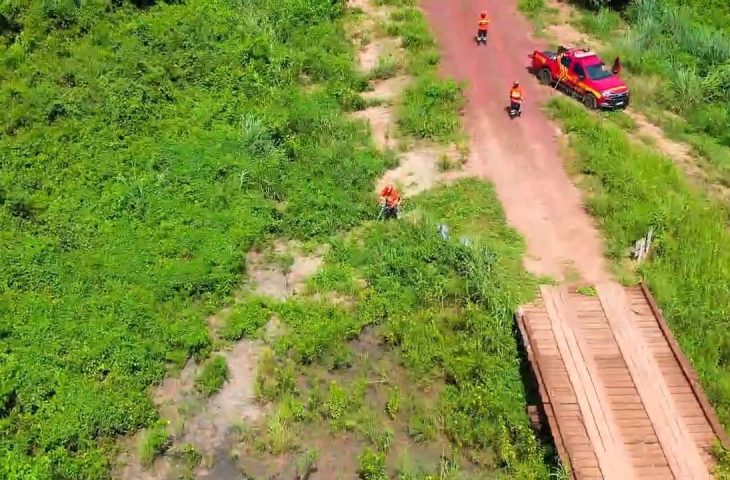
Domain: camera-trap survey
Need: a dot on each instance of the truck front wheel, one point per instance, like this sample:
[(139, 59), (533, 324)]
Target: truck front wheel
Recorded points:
[(589, 100), (546, 78)]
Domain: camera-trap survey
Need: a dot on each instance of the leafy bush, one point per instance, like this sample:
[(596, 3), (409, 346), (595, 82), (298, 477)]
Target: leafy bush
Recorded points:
[(316, 330), (372, 466), (245, 319), (392, 404), (213, 375), (153, 442), (337, 401), (431, 108)]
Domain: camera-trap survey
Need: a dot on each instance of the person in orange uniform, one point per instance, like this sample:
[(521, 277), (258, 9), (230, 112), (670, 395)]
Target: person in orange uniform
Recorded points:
[(483, 27), (516, 95), (390, 200)]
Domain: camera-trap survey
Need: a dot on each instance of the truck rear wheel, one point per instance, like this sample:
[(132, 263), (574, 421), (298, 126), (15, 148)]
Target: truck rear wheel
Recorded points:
[(546, 78), (589, 100)]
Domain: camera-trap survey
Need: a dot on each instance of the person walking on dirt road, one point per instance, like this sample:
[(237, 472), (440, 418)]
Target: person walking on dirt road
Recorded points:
[(516, 95), (483, 27)]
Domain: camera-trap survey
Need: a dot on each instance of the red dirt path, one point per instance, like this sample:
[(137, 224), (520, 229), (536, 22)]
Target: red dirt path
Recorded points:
[(520, 157)]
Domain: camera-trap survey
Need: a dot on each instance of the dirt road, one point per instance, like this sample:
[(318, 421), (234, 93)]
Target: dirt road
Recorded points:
[(522, 159), (522, 156)]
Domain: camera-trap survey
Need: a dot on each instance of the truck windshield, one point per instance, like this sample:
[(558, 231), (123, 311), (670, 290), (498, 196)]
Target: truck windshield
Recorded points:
[(598, 71)]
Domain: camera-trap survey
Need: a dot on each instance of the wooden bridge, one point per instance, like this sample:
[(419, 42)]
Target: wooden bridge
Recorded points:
[(621, 400)]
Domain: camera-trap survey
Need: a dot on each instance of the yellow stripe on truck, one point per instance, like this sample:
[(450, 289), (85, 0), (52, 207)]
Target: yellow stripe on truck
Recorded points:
[(584, 86)]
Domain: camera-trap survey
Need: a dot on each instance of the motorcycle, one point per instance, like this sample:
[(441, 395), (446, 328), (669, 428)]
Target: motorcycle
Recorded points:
[(481, 37), (514, 109)]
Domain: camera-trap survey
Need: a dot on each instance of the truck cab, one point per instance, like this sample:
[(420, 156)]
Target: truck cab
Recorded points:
[(583, 74)]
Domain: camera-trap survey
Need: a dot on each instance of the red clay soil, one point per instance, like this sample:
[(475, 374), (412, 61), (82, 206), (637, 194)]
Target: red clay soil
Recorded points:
[(521, 157)]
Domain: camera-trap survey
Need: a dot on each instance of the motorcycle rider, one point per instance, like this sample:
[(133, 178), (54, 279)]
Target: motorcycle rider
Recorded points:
[(483, 26), (516, 95)]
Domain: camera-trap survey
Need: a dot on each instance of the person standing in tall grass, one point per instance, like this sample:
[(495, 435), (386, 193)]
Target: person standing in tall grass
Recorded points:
[(616, 69)]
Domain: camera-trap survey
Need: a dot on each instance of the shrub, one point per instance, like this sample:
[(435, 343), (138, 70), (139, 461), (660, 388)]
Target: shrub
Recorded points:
[(431, 108), (153, 442), (212, 376), (372, 466)]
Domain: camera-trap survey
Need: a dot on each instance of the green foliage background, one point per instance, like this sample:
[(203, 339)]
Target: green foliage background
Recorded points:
[(144, 151)]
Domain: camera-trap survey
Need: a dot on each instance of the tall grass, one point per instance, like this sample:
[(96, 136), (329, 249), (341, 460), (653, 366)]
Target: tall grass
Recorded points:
[(692, 56), (431, 108), (446, 309), (677, 59), (431, 104), (633, 188)]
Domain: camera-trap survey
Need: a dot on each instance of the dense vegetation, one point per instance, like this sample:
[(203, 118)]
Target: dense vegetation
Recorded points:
[(444, 308), (634, 188), (151, 144), (144, 151)]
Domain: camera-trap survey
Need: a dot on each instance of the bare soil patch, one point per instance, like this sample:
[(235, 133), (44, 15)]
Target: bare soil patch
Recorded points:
[(380, 120), (387, 90), (419, 169), (282, 272)]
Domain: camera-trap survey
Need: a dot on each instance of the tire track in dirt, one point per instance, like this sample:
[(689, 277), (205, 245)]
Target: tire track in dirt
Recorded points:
[(520, 157)]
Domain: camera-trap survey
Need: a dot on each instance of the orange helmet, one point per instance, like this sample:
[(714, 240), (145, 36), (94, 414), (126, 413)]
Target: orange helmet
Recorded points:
[(483, 15), (388, 190)]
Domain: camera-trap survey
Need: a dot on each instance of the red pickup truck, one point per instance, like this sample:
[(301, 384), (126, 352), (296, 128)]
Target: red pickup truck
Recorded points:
[(582, 73)]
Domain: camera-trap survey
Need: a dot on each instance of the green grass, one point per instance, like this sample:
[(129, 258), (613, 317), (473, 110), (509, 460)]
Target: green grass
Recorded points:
[(246, 318), (445, 310), (146, 150), (677, 59), (633, 188), (431, 104), (386, 67), (153, 442), (212, 376), (431, 108)]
